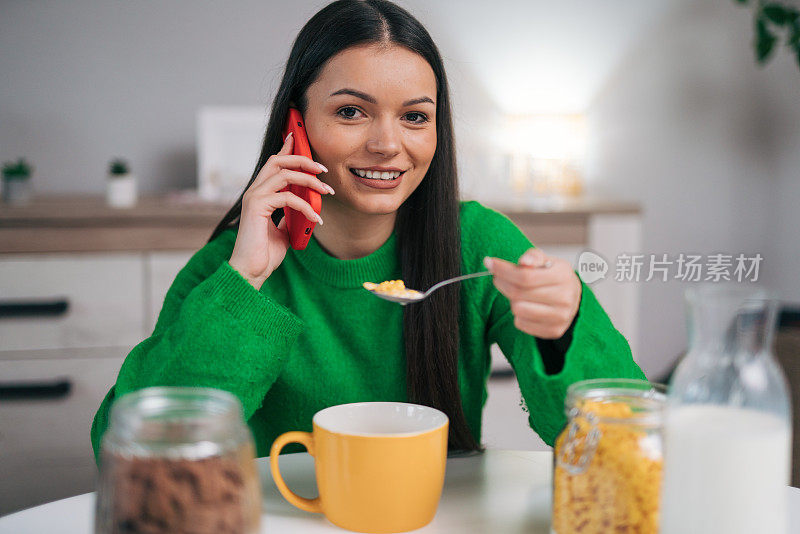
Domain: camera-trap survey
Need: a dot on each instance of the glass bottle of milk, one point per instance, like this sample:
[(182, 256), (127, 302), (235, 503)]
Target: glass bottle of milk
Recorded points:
[(727, 433)]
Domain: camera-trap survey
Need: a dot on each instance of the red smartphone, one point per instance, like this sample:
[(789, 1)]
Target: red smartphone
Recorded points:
[(299, 227)]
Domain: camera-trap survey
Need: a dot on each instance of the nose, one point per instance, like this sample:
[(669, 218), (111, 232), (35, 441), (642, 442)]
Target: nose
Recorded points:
[(384, 138)]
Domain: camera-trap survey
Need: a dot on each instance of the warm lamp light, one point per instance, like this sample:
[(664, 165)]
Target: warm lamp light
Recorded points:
[(547, 153)]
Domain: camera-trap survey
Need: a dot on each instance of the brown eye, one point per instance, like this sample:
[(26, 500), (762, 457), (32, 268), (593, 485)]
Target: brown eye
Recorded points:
[(417, 117), (348, 112)]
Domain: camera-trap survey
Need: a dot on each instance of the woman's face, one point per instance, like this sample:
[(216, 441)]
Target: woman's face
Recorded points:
[(373, 109)]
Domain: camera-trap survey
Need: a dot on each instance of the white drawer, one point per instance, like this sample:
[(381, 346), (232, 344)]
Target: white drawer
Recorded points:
[(45, 448), (162, 268), (104, 295), (505, 422)]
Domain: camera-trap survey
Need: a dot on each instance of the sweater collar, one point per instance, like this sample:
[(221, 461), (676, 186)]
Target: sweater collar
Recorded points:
[(376, 267)]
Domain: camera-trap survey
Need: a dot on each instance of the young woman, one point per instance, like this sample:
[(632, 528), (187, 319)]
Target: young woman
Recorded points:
[(291, 332)]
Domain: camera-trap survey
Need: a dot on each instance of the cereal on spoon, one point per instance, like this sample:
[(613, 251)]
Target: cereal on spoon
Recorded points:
[(394, 288)]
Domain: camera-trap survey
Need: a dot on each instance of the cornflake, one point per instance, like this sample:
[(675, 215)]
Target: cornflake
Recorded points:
[(619, 489), (395, 288)]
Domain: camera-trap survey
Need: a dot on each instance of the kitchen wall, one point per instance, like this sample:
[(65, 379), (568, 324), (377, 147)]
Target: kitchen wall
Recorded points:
[(681, 118), (707, 141), (84, 81)]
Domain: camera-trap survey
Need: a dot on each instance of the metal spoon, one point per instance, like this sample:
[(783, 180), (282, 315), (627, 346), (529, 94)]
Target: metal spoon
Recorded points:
[(420, 296)]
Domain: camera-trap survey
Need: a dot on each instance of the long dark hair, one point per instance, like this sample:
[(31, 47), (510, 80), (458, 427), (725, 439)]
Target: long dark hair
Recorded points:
[(427, 226)]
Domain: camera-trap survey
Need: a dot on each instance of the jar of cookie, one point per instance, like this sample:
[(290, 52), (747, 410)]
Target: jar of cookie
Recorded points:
[(178, 460), (608, 460)]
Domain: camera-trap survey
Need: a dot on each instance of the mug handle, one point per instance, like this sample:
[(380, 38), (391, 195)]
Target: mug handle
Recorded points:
[(304, 438)]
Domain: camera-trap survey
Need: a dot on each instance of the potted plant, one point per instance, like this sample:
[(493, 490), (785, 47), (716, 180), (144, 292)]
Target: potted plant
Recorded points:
[(17, 182), (121, 185)]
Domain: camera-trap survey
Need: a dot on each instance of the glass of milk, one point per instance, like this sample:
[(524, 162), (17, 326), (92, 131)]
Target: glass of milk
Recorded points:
[(727, 431)]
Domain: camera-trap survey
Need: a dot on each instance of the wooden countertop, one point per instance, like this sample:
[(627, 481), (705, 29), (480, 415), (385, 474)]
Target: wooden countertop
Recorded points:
[(87, 224), (84, 210), (82, 223), (567, 207)]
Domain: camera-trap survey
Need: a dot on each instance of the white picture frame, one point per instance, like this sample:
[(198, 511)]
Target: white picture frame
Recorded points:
[(229, 142)]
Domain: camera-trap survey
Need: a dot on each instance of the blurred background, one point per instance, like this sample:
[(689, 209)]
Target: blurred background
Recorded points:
[(616, 127)]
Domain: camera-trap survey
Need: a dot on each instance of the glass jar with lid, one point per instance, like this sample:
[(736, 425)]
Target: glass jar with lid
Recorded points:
[(608, 459), (177, 460)]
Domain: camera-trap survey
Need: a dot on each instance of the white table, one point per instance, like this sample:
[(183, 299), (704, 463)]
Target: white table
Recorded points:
[(499, 491)]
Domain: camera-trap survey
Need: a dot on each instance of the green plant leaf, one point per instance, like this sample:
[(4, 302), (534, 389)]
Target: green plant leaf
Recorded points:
[(794, 36), (765, 41), (777, 13), (118, 166), (792, 14), (17, 171)]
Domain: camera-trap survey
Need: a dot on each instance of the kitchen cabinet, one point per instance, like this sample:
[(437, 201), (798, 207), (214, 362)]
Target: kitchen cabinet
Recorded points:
[(56, 366), (160, 271), (80, 285), (101, 296), (45, 452)]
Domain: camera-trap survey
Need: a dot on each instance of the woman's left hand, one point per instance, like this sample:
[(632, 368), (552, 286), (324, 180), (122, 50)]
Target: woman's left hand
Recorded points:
[(544, 300)]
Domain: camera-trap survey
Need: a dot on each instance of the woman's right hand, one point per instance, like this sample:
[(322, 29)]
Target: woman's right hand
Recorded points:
[(260, 245)]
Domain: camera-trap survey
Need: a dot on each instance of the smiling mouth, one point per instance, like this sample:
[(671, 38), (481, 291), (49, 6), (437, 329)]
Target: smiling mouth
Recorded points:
[(377, 175)]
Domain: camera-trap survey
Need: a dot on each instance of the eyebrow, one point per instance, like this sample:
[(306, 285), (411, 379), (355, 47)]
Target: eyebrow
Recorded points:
[(372, 100)]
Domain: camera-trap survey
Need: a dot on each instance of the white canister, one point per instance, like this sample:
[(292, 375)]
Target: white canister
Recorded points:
[(17, 192), (121, 190)]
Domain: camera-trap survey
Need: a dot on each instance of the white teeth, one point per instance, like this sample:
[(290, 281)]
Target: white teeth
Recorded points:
[(377, 175)]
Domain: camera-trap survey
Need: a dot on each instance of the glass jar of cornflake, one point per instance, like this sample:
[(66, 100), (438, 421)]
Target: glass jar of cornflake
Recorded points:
[(608, 460), (178, 460)]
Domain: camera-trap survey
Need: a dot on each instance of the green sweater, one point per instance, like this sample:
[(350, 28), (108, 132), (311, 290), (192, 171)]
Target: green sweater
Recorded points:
[(312, 337)]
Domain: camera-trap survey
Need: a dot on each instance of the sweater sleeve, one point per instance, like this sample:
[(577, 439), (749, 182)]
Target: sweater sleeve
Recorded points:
[(594, 348), (597, 350), (214, 330)]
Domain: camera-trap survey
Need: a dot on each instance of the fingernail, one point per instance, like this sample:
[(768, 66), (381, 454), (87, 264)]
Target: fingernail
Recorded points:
[(528, 259), (330, 189), (487, 261), (321, 166), (287, 137), (319, 220)]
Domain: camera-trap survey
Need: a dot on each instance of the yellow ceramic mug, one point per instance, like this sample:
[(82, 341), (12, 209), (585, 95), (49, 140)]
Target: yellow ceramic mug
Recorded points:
[(379, 465)]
